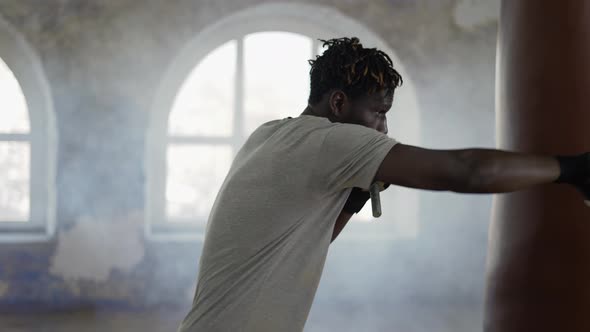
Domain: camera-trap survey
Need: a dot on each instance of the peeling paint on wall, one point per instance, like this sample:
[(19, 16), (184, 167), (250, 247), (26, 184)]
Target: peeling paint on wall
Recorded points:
[(93, 248)]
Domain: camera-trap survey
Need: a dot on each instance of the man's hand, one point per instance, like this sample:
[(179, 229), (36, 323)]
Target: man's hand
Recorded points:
[(357, 199), (575, 170), (355, 202)]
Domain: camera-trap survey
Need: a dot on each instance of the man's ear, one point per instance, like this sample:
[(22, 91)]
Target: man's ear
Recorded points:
[(338, 103)]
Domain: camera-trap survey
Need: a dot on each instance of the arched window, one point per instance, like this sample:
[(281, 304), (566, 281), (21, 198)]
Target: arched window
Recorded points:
[(26, 142), (14, 150), (248, 69), (238, 86)]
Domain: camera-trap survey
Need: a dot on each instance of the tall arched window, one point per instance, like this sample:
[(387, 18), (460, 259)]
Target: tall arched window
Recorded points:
[(238, 86), (14, 150), (248, 69), (26, 142)]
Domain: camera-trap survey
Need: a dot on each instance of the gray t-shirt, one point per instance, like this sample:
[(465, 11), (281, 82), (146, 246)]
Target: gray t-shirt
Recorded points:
[(270, 227)]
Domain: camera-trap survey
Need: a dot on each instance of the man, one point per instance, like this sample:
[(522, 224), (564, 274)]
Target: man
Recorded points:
[(297, 181)]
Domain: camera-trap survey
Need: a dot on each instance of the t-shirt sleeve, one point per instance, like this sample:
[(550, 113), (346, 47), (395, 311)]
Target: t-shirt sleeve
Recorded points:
[(350, 156)]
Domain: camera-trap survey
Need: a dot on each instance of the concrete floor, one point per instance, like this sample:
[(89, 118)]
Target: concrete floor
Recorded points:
[(91, 321), (439, 319)]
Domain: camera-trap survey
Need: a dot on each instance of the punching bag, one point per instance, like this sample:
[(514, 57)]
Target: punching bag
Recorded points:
[(538, 268)]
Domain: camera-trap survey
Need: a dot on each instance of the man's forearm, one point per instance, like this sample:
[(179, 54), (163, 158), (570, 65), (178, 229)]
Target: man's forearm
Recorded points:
[(495, 171), (467, 170), (342, 220)]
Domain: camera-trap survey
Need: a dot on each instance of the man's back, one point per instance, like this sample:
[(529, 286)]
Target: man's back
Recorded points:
[(270, 228)]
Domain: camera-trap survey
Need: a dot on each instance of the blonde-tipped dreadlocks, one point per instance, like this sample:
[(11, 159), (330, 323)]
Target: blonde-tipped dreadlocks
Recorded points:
[(348, 66)]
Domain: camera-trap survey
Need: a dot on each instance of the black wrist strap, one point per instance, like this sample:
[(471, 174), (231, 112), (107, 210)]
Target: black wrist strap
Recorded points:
[(573, 169), (353, 207), (356, 200)]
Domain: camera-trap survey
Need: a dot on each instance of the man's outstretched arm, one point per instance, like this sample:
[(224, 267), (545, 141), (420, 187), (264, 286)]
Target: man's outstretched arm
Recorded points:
[(475, 171), (466, 171)]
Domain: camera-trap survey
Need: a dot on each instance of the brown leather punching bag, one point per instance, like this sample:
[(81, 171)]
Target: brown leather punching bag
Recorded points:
[(539, 247)]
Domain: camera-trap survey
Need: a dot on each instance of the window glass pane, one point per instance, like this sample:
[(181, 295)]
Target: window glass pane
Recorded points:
[(205, 103), (14, 181), (195, 174), (14, 116), (276, 74)]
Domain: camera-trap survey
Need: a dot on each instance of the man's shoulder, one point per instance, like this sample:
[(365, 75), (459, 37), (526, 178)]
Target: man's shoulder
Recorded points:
[(302, 123)]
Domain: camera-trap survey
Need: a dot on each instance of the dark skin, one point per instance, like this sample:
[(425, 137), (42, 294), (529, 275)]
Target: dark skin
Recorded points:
[(461, 171)]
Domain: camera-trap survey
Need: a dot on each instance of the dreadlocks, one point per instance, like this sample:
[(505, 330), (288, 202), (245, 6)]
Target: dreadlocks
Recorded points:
[(348, 66)]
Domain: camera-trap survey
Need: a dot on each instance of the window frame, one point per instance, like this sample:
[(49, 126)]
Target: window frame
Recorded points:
[(26, 66), (303, 19)]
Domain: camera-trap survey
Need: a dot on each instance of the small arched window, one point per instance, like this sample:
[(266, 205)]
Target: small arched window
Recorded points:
[(26, 142), (15, 150)]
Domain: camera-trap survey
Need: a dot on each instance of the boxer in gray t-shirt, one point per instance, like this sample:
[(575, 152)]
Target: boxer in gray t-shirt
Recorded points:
[(296, 182)]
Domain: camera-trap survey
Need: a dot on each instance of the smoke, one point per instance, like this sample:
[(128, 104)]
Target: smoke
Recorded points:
[(420, 267)]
